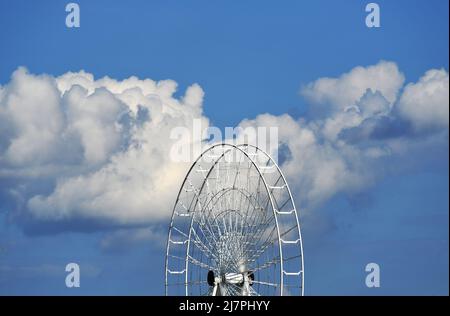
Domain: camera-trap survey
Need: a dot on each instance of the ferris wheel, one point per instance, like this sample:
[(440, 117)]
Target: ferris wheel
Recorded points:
[(234, 229)]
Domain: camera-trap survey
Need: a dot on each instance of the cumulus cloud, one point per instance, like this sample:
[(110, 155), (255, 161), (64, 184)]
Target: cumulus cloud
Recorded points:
[(31, 120), (105, 143), (317, 168), (426, 103), (102, 146), (342, 92), (368, 123)]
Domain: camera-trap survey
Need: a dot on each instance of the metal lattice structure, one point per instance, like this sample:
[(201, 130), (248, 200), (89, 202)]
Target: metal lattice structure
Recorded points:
[(234, 228)]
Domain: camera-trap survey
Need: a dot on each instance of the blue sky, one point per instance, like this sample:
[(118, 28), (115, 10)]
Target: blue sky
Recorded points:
[(249, 58)]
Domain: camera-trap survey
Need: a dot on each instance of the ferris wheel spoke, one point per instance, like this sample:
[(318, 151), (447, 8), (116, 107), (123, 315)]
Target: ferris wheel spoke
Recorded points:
[(257, 235), (232, 261), (214, 249), (267, 243), (263, 249), (199, 263), (253, 292), (237, 174), (284, 203), (193, 261), (190, 283), (266, 283), (203, 249), (209, 252), (234, 289), (261, 234), (234, 203), (250, 222), (206, 233), (210, 223), (268, 264), (207, 230)]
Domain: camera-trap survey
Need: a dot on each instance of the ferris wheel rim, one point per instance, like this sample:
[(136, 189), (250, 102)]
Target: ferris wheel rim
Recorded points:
[(239, 148), (271, 203), (295, 208)]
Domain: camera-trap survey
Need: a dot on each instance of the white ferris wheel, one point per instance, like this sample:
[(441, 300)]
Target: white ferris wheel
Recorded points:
[(234, 229)]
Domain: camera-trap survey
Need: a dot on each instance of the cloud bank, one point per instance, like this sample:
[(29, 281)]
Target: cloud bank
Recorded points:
[(102, 145), (367, 120), (78, 153)]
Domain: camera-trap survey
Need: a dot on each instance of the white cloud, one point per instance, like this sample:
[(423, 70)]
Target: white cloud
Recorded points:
[(426, 103), (110, 165), (344, 151), (31, 114), (317, 168), (104, 145), (339, 93)]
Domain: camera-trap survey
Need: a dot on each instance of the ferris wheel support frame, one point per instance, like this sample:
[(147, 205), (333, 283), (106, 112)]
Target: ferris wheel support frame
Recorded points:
[(240, 147)]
